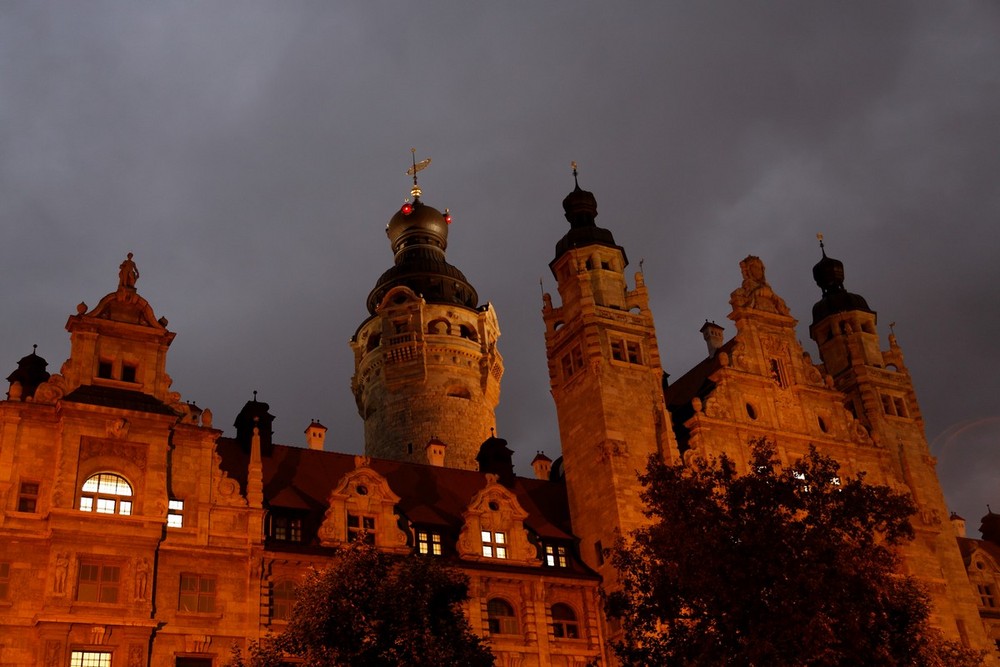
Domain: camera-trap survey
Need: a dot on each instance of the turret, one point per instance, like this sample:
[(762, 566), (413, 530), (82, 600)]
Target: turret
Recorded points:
[(426, 363)]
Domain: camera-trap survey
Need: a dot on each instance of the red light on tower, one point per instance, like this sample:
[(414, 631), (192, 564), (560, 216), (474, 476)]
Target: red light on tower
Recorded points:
[(407, 208), (447, 216)]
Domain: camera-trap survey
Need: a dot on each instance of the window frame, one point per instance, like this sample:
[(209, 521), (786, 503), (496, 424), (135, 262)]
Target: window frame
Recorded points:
[(99, 589), (97, 501), (555, 555), (80, 658), (566, 624), (429, 543), (282, 605), (501, 623), (361, 525), (26, 495), (197, 594), (495, 544), (175, 513)]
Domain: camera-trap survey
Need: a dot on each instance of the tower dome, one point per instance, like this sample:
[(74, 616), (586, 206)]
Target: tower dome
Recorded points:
[(829, 276), (418, 234), (580, 207)]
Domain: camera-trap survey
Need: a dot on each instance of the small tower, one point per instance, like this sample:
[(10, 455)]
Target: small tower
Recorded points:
[(606, 379), (426, 363)]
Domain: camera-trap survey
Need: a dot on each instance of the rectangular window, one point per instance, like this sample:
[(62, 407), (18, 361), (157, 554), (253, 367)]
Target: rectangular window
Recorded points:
[(358, 526), (98, 582), (567, 366), (900, 405), (128, 373), (429, 543), (90, 659), (104, 369), (555, 556), (287, 528), (634, 353), (494, 543), (577, 358), (618, 350), (887, 407), (175, 513), (986, 597), (4, 581), (197, 593), (27, 497)]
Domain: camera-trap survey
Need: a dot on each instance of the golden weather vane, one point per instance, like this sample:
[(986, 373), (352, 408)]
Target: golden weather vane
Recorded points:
[(412, 171)]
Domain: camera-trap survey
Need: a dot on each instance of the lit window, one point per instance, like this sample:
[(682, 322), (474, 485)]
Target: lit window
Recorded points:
[(175, 513), (282, 600), (555, 556), (986, 598), (27, 497), (106, 493), (4, 581), (287, 528), (360, 527), (197, 593), (90, 659), (500, 617), (98, 582), (429, 542), (801, 477), (494, 544), (564, 624)]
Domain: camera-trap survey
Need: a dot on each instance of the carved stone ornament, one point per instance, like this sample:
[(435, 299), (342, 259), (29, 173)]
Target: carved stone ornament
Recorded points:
[(755, 293), (133, 452), (495, 508), (117, 428), (51, 390), (227, 490), (363, 492)]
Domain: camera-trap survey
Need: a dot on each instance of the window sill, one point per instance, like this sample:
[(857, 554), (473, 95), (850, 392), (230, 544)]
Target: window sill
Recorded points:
[(199, 615)]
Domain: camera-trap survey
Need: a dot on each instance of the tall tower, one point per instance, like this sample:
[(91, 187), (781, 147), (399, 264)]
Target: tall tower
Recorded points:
[(426, 364), (879, 391), (606, 378)]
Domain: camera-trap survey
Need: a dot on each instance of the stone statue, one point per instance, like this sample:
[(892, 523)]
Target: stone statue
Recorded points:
[(62, 567), (141, 578), (127, 273)]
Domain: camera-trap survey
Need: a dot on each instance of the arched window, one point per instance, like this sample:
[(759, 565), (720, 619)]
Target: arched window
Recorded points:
[(106, 493), (564, 625), (282, 600), (501, 618)]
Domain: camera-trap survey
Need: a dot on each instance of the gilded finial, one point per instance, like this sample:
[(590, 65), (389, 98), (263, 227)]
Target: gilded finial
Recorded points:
[(822, 248), (412, 171), (575, 181)]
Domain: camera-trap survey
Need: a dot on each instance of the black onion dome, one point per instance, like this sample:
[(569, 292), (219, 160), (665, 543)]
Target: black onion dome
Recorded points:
[(829, 275), (30, 373), (419, 237), (580, 207)]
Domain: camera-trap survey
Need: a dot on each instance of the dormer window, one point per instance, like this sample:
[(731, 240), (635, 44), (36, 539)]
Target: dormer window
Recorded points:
[(359, 526), (286, 528), (555, 556), (429, 543), (494, 544)]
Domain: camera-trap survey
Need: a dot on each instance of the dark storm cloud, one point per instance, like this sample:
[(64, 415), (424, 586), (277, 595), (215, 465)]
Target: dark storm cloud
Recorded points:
[(251, 153)]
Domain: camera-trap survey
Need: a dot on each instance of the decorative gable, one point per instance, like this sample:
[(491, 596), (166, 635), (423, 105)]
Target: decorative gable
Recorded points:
[(494, 528), (363, 506)]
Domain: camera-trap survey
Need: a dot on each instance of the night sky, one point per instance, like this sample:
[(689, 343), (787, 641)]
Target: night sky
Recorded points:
[(250, 155)]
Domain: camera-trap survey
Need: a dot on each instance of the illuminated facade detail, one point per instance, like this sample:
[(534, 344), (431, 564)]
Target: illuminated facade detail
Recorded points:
[(134, 532)]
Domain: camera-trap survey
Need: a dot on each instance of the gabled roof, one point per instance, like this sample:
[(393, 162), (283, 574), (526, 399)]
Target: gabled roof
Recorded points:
[(301, 479)]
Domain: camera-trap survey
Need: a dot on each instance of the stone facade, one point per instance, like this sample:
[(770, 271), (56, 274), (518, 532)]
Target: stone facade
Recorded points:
[(133, 532)]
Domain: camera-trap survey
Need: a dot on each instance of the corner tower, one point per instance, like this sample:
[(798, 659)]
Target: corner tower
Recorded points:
[(879, 391), (426, 364), (606, 379)]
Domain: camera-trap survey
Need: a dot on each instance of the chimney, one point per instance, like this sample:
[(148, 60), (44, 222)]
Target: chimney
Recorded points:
[(713, 336), (315, 435), (435, 452), (958, 524), (542, 465)]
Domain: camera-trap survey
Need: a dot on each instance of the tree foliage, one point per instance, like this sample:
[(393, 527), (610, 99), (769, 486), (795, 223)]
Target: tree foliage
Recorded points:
[(775, 567), (368, 608)]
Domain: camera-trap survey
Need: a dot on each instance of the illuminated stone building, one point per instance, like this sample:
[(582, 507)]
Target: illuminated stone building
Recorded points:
[(134, 532)]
